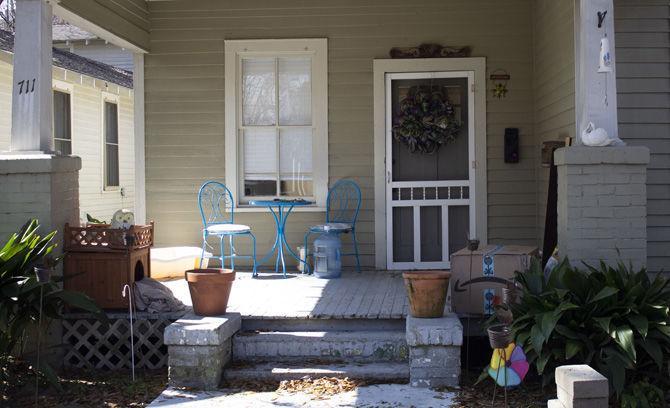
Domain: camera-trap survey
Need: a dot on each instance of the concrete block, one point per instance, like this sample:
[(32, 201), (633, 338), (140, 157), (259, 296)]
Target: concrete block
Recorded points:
[(444, 331), (554, 403), (196, 330), (572, 401), (582, 381), (587, 155), (199, 348)]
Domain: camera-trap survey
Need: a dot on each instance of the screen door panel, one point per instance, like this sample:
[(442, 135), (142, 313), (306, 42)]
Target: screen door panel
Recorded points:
[(429, 194)]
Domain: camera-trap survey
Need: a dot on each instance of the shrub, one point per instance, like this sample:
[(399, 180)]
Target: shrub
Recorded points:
[(20, 290), (612, 318)]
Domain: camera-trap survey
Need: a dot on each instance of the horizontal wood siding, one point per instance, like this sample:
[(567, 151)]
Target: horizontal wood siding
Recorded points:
[(554, 86), (185, 99), (643, 84), (99, 51), (86, 105)]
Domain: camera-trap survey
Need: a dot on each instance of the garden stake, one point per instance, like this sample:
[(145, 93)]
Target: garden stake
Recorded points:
[(127, 291), (502, 356), (39, 340)]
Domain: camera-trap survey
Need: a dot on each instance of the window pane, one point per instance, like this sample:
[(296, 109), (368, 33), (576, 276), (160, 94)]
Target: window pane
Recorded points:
[(258, 91), (62, 116), (63, 146), (111, 123), (260, 151), (112, 157), (295, 161), (295, 91), (260, 162)]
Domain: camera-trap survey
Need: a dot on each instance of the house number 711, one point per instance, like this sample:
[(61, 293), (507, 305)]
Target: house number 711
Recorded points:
[(26, 86)]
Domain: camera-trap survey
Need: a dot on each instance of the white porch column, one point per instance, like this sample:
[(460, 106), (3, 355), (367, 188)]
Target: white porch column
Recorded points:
[(595, 92), (32, 98), (140, 162)]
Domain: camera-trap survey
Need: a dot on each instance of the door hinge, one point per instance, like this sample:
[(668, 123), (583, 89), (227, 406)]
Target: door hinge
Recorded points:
[(474, 164), (472, 87)]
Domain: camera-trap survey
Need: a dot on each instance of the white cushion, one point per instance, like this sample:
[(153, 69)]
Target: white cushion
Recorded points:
[(227, 228), (332, 227)]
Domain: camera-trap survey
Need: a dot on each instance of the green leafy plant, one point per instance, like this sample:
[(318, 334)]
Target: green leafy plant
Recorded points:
[(612, 318), (642, 395), (20, 290)]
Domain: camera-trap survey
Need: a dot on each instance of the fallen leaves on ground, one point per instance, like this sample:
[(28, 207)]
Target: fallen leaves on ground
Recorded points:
[(529, 395), (319, 387), (85, 388)]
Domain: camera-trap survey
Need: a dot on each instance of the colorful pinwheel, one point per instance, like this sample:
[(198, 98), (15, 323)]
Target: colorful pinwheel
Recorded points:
[(509, 366)]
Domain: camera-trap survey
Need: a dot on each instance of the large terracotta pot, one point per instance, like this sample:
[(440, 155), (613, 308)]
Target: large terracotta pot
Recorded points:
[(210, 289), (427, 292)]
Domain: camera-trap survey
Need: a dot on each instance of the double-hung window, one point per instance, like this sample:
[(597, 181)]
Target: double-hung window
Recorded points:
[(62, 122), (111, 143), (276, 119)]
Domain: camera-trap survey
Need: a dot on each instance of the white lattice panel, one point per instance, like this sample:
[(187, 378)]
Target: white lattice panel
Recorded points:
[(90, 343)]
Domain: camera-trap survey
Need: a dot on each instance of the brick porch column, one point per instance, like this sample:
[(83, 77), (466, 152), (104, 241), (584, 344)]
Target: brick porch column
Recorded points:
[(602, 204)]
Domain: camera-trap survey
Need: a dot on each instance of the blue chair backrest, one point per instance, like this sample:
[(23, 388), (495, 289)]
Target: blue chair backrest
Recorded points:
[(343, 202), (216, 204)]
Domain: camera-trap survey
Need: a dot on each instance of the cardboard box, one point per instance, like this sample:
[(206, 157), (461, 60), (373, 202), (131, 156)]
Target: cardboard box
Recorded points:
[(473, 292)]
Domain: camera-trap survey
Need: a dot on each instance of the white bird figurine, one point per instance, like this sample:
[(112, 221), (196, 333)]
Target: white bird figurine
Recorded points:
[(592, 136)]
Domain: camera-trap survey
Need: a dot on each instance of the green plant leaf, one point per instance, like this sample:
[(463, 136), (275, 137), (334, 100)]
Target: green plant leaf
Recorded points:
[(604, 323), (625, 339), (604, 293), (572, 347), (640, 323), (548, 322), (536, 338), (652, 348)]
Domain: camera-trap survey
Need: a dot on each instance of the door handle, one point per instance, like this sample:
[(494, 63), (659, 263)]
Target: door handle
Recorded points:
[(388, 176)]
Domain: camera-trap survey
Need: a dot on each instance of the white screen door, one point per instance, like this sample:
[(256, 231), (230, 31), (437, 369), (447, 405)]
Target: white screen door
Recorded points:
[(430, 206)]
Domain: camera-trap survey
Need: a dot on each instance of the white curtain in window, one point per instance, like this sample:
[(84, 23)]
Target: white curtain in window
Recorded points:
[(260, 154), (295, 91), (295, 153), (258, 91)]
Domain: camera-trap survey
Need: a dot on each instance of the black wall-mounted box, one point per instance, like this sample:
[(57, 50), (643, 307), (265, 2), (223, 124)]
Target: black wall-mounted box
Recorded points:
[(511, 145)]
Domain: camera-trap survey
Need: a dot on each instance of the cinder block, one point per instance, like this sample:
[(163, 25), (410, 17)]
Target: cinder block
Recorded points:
[(554, 403), (581, 381), (572, 401)]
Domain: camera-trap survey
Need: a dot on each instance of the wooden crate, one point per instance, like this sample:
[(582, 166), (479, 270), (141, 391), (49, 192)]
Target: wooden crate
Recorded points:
[(99, 265)]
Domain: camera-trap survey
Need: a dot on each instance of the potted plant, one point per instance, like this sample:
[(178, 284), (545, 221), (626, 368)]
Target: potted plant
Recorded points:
[(427, 292), (210, 290)]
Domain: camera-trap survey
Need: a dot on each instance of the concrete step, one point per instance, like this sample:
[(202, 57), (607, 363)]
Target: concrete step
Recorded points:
[(271, 372), (330, 346)]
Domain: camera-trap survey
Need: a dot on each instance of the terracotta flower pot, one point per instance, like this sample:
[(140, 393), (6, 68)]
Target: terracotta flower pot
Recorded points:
[(427, 292), (210, 289)]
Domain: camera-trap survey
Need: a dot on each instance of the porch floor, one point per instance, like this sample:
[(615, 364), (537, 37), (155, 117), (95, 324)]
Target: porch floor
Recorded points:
[(365, 295)]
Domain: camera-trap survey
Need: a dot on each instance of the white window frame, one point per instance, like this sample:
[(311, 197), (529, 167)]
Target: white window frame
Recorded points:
[(235, 51), (111, 98), (64, 87)]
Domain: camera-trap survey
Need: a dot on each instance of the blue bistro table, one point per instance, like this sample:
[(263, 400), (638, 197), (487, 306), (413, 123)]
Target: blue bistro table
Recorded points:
[(280, 210)]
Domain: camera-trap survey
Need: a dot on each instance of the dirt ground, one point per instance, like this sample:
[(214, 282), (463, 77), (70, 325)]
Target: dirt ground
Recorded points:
[(115, 389)]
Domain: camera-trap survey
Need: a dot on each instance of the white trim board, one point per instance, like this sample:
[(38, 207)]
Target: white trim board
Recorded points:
[(381, 67)]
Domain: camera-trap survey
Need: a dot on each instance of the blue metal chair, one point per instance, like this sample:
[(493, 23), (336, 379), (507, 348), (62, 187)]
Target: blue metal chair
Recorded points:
[(342, 206), (217, 209)]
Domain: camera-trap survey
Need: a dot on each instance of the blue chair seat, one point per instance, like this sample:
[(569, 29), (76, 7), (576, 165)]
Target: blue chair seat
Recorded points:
[(337, 227), (228, 229)]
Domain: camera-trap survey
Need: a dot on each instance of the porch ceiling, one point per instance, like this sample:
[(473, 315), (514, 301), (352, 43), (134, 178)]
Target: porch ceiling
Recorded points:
[(124, 23)]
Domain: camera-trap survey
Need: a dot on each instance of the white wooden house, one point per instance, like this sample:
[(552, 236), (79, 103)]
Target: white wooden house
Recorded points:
[(191, 58), (87, 96)]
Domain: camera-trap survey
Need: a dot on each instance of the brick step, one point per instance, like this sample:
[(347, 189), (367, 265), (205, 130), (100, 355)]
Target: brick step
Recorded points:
[(331, 346), (386, 372)]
